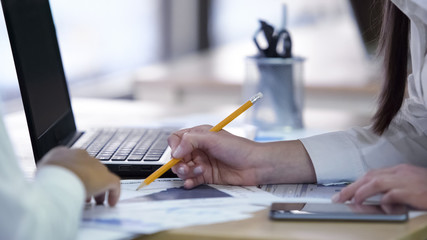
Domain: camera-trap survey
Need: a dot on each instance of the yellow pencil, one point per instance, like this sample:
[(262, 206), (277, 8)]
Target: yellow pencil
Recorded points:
[(159, 172)]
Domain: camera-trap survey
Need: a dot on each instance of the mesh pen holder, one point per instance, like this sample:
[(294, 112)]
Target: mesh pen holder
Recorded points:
[(281, 82)]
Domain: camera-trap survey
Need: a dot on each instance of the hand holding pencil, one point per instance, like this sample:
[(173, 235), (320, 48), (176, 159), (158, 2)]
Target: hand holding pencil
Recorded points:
[(216, 128)]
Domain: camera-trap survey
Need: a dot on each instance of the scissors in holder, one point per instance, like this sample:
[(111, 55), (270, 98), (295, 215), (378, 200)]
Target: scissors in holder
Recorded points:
[(273, 44)]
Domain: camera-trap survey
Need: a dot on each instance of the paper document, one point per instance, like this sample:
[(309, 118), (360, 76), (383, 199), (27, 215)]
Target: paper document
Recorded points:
[(165, 204), (310, 193), (315, 193)]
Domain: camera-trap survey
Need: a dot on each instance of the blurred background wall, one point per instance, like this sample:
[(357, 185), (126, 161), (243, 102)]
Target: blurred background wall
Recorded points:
[(104, 42)]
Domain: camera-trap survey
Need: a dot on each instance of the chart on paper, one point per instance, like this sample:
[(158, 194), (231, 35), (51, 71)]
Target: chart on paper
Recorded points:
[(171, 189), (179, 193), (165, 204)]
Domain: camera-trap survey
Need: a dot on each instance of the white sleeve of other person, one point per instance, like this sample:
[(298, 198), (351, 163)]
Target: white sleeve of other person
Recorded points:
[(349, 154), (47, 208)]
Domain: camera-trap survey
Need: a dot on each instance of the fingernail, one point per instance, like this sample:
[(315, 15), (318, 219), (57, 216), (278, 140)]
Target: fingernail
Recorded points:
[(335, 197), (181, 170), (178, 152), (198, 170)]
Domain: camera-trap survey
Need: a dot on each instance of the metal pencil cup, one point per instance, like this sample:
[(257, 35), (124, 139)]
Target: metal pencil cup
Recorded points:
[(281, 82)]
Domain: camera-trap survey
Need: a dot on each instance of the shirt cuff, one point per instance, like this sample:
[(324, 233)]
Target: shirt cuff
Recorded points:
[(57, 177), (334, 156)]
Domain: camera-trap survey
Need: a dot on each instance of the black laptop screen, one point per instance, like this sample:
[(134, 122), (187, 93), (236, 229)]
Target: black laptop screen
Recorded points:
[(40, 73), (38, 62)]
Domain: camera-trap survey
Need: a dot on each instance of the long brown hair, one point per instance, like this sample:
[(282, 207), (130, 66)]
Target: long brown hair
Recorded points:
[(393, 48)]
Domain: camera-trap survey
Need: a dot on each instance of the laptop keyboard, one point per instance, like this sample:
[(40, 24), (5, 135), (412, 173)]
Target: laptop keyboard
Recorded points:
[(125, 144)]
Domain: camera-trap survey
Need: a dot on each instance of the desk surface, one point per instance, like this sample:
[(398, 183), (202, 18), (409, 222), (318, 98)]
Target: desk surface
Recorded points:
[(258, 227)]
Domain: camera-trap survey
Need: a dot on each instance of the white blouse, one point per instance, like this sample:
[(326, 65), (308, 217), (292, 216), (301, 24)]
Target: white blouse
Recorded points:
[(47, 208), (347, 155)]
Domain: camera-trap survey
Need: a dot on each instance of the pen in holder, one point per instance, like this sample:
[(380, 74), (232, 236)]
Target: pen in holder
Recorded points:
[(281, 81)]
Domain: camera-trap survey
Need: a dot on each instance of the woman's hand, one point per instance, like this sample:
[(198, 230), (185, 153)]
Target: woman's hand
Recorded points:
[(95, 176), (223, 158), (213, 157), (402, 184)]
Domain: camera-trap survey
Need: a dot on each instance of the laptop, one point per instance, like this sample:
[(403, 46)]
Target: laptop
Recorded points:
[(128, 152)]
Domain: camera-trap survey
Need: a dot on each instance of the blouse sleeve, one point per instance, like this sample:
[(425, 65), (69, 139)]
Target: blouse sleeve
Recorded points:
[(49, 207), (347, 155)]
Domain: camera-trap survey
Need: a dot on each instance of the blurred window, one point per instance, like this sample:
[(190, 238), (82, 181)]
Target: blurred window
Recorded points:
[(96, 38)]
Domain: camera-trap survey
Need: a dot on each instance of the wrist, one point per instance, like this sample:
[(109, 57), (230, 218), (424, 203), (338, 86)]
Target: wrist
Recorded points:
[(284, 162), (265, 162)]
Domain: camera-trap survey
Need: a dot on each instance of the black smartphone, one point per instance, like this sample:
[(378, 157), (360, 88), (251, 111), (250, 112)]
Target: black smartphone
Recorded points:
[(338, 212)]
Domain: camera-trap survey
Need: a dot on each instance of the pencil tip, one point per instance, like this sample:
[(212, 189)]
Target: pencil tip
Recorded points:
[(143, 184)]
